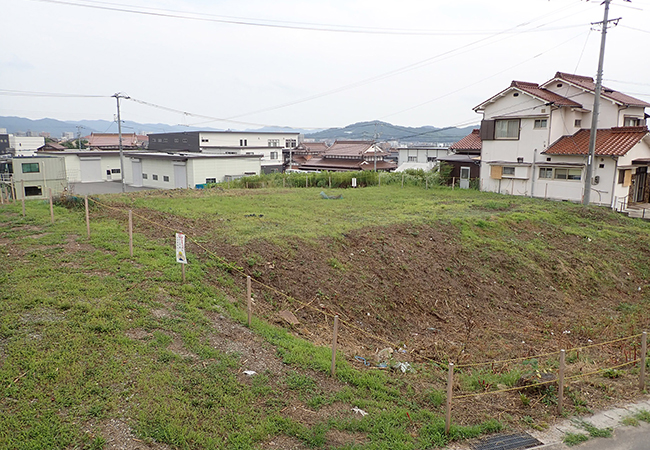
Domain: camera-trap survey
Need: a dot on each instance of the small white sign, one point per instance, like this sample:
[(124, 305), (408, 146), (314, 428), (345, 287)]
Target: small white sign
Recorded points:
[(354, 182), (180, 249)]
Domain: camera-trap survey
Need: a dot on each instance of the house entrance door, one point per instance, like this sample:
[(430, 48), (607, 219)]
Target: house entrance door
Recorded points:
[(464, 177), (639, 184)]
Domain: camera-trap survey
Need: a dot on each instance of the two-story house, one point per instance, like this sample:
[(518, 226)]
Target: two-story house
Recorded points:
[(268, 144), (535, 142)]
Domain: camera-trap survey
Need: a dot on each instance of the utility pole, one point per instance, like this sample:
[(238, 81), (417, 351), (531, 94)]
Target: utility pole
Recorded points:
[(375, 149), (79, 127), (594, 114), (118, 96)]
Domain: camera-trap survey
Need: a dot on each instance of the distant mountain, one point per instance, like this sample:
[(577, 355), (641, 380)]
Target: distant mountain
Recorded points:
[(384, 131), (56, 128)]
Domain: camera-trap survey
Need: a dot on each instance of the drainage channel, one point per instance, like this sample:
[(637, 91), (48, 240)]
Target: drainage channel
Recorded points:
[(517, 441)]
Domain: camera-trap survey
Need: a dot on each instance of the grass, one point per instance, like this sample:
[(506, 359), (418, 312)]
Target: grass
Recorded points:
[(88, 334), (69, 309)]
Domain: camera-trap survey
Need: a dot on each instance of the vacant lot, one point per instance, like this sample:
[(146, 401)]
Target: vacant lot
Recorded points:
[(99, 350)]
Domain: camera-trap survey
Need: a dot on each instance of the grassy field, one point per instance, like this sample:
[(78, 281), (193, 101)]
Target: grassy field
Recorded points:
[(93, 343)]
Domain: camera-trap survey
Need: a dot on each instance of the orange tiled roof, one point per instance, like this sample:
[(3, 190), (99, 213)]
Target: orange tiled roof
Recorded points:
[(609, 142), (347, 165), (589, 84), (470, 142)]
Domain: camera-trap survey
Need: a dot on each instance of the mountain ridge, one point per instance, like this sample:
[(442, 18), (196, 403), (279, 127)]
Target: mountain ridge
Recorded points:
[(368, 130)]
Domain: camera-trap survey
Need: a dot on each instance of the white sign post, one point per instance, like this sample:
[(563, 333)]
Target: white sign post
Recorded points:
[(180, 252)]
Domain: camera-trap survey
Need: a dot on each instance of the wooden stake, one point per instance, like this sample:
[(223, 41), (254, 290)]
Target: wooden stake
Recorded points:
[(453, 183), (334, 339), (22, 188), (307, 181), (183, 265), (330, 181), (249, 297), (644, 351), (379, 178), (13, 189), (402, 180), (87, 215), (426, 184), (51, 207), (2, 197), (131, 233), (450, 386), (560, 389), (284, 180)]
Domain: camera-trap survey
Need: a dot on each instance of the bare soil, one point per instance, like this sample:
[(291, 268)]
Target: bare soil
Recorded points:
[(422, 292)]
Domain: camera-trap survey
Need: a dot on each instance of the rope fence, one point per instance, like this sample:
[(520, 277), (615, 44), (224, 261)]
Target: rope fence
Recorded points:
[(337, 320)]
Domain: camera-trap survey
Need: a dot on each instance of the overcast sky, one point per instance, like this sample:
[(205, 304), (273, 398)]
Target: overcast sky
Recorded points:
[(408, 62)]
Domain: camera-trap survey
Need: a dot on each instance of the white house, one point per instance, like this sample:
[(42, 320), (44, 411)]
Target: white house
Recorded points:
[(535, 142), (419, 157), (268, 144), (160, 170)]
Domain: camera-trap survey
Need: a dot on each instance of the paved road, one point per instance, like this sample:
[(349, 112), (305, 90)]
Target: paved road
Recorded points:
[(102, 187), (625, 438)]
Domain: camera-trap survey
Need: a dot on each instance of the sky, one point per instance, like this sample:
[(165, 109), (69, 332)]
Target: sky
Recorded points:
[(245, 64)]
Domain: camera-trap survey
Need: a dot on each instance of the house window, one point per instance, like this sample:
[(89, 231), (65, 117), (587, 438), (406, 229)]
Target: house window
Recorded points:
[(577, 123), (274, 155), (568, 174), (621, 176), (506, 129), (210, 180), (243, 142), (508, 171), (30, 168), (431, 158), (115, 170), (202, 140), (155, 177), (540, 123), (412, 159), (165, 178), (144, 176), (31, 191), (631, 122), (601, 166), (545, 172), (291, 143), (274, 142)]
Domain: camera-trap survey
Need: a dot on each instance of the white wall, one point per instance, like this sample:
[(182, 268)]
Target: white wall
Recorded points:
[(232, 139), (201, 168), (161, 168), (25, 146), (422, 154)]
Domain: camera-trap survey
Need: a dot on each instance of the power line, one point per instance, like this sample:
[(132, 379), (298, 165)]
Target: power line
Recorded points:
[(270, 23), (400, 70), (47, 94)]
